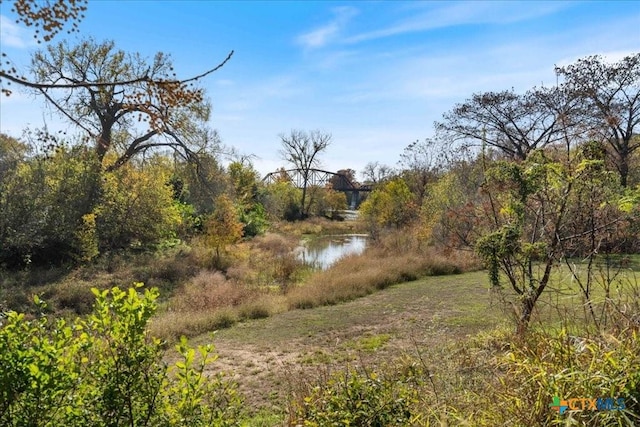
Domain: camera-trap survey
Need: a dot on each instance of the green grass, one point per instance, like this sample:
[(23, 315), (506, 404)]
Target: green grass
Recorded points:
[(438, 299), (371, 343), (432, 312), (454, 324)]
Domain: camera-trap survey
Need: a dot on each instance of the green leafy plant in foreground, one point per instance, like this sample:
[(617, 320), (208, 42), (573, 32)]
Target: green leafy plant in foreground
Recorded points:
[(104, 370)]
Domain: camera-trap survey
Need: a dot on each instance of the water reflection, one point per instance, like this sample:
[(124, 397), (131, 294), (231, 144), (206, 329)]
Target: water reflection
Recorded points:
[(322, 252)]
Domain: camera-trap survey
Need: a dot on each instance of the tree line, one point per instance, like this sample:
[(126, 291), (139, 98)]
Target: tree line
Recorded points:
[(143, 169), (527, 181)]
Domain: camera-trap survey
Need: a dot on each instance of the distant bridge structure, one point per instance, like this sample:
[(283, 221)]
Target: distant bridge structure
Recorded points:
[(320, 178)]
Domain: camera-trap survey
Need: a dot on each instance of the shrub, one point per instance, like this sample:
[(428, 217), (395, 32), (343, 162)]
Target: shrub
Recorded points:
[(105, 370), (263, 305), (136, 207), (43, 202), (356, 397)]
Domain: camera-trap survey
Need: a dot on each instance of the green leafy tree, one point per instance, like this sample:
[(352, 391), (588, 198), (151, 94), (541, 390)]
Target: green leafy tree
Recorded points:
[(529, 223), (200, 183), (136, 206), (245, 181), (42, 203), (283, 200), (391, 204), (328, 202), (249, 193), (449, 212), (106, 370)]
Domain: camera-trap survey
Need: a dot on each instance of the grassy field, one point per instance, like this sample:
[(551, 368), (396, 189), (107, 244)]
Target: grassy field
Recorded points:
[(283, 328), (454, 326), (429, 314)]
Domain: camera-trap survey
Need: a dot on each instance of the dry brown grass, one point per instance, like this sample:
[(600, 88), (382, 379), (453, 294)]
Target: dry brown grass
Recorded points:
[(209, 290), (263, 305), (269, 261), (209, 302), (265, 279), (377, 268), (319, 225), (171, 325)]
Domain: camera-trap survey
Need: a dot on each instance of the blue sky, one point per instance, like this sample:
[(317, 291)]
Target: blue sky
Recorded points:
[(375, 75)]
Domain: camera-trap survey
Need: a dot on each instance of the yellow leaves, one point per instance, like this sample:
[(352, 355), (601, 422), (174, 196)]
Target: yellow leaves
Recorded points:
[(630, 201), (137, 205), (87, 238), (392, 204), (223, 226)]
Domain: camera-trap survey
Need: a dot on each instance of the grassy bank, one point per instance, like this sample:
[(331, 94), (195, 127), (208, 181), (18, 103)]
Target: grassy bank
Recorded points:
[(444, 345), (266, 278)]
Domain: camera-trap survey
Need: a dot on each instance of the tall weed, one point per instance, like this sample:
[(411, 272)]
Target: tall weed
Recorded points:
[(557, 364), (377, 268)]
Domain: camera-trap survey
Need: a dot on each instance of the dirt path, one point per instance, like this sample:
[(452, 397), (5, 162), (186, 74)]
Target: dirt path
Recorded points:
[(264, 356)]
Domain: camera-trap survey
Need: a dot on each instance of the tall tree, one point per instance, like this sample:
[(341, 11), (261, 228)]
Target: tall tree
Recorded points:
[(419, 166), (375, 173), (166, 114), (222, 227), (301, 149), (512, 123), (612, 93)]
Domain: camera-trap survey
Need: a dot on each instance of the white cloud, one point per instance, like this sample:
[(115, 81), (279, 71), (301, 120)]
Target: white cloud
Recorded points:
[(434, 15), (329, 32), (12, 35)]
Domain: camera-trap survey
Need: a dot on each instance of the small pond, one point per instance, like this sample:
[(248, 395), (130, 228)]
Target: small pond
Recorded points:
[(322, 252)]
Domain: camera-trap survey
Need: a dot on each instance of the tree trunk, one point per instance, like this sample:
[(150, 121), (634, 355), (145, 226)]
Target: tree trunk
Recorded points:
[(103, 143), (623, 168), (303, 211), (530, 298), (525, 315)]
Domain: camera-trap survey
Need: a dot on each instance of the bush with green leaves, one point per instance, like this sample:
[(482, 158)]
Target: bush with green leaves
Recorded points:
[(136, 207), (390, 205), (105, 370), (43, 201), (358, 398)]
